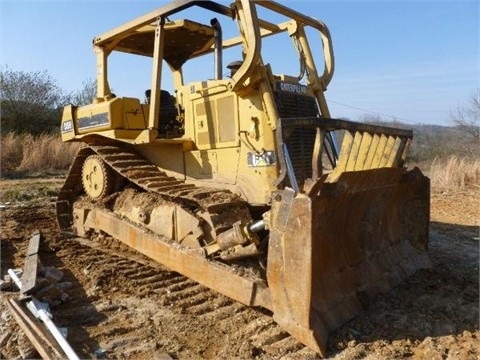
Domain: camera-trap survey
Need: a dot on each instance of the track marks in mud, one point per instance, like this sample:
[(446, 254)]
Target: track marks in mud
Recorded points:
[(161, 296), (132, 307)]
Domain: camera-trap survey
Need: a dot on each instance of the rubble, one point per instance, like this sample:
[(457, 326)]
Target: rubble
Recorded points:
[(44, 284)]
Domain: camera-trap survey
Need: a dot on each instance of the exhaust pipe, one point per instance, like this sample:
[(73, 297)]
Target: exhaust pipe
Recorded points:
[(217, 38)]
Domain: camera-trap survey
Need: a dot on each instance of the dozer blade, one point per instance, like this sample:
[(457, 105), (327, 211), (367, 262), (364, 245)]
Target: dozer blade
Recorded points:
[(333, 250)]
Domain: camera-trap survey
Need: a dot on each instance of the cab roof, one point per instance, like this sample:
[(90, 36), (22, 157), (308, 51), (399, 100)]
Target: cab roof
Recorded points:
[(183, 39)]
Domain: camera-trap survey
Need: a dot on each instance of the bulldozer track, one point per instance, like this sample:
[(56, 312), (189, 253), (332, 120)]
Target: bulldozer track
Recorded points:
[(148, 177), (136, 169), (150, 281), (153, 282)]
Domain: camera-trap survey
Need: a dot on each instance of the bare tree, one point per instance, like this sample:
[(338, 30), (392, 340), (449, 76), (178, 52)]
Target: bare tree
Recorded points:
[(86, 94), (467, 118), (30, 102)]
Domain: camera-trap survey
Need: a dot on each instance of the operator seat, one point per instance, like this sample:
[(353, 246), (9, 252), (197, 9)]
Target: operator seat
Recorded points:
[(167, 112)]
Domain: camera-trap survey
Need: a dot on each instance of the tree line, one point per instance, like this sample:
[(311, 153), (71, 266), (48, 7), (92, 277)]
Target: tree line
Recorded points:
[(32, 102)]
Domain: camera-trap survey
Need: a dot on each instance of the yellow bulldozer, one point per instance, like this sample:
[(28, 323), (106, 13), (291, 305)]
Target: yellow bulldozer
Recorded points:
[(243, 181)]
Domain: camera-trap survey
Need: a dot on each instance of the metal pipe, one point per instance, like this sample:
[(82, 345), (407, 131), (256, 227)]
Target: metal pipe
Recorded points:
[(39, 312), (257, 226), (217, 39), (71, 355), (15, 278), (290, 170)]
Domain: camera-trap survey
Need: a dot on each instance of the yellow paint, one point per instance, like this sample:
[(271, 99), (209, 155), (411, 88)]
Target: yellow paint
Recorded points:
[(342, 157), (205, 133), (363, 151), (371, 152), (377, 158), (396, 154), (352, 157), (389, 148)]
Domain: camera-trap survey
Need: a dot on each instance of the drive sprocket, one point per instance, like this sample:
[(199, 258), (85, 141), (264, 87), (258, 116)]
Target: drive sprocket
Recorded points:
[(97, 177)]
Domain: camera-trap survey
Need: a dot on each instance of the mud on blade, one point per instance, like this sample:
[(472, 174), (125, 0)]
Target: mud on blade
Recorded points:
[(333, 250)]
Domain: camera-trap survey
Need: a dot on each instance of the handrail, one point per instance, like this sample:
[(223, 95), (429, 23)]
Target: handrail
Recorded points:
[(256, 28), (327, 125), (314, 23)]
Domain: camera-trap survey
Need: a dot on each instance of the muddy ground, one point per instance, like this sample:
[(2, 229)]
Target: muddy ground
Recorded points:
[(131, 308)]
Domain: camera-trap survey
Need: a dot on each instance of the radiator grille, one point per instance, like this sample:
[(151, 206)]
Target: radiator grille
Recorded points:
[(291, 104), (299, 141)]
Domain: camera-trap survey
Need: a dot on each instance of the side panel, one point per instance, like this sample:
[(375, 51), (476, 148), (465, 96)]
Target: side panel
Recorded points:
[(258, 165), (121, 114), (229, 132), (218, 165), (212, 111), (105, 115), (169, 157), (133, 114)]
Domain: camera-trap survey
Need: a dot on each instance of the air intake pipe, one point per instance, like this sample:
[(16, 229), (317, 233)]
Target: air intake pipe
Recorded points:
[(217, 39)]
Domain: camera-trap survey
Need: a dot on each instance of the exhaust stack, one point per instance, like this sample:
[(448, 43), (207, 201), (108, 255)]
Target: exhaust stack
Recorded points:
[(217, 38)]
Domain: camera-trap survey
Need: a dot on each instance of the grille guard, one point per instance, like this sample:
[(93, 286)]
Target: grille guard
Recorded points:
[(364, 147)]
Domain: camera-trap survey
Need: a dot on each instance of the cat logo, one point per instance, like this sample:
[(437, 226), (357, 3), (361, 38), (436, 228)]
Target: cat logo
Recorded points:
[(293, 88)]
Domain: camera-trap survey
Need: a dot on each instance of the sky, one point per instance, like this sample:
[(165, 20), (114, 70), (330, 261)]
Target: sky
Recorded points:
[(413, 61)]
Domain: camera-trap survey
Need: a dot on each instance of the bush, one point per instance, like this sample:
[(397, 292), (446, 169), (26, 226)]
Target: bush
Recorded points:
[(31, 102)]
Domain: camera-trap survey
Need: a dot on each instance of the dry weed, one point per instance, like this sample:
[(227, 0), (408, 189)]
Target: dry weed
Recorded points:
[(29, 154), (11, 151), (454, 173)]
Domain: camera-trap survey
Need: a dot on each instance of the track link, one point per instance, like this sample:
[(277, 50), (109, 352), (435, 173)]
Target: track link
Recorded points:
[(129, 164), (138, 170), (151, 280)]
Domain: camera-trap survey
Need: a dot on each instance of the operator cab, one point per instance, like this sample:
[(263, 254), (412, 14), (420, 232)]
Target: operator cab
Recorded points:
[(169, 123), (183, 39)]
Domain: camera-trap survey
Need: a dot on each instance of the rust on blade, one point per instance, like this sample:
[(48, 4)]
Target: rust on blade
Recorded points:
[(334, 250), (289, 271)]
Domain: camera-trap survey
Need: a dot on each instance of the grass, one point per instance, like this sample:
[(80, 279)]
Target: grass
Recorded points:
[(27, 155), (455, 173), (46, 155), (22, 193)]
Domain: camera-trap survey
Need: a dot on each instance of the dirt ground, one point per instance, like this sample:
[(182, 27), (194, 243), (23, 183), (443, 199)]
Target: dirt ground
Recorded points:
[(131, 308)]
